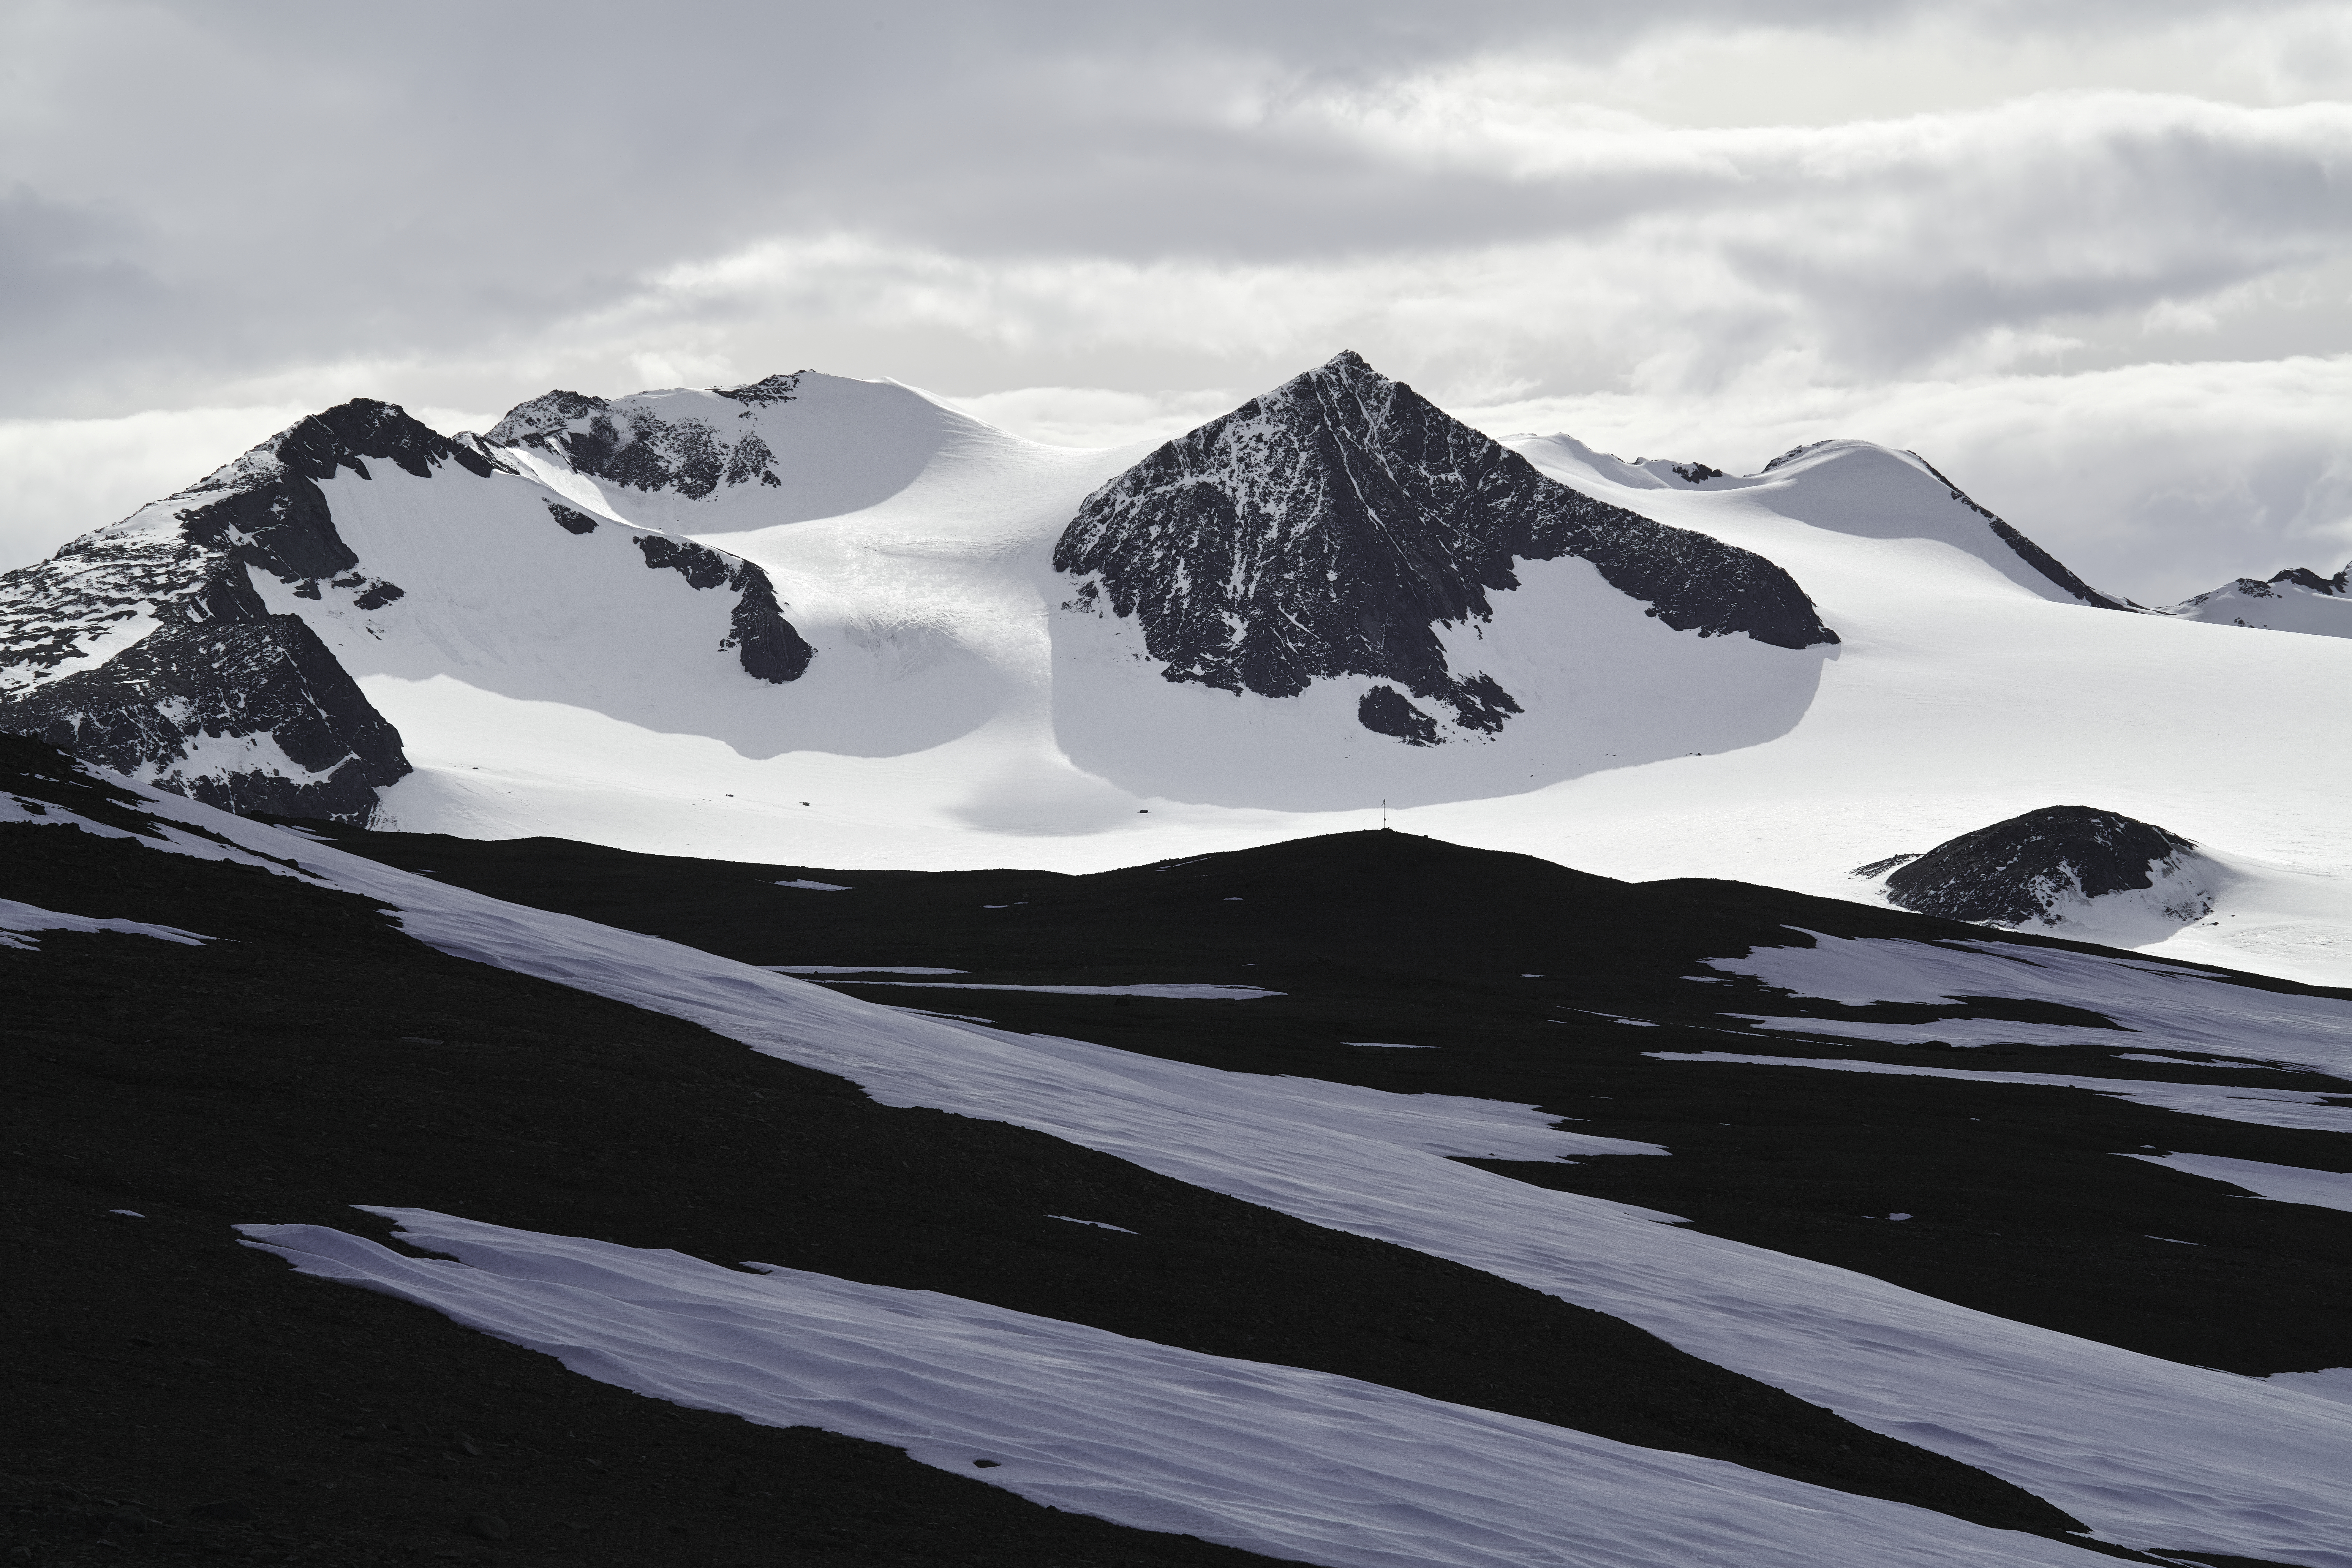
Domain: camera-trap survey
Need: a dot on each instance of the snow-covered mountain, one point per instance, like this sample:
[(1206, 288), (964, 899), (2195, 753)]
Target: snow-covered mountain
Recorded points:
[(2295, 600), (1332, 602), (210, 641)]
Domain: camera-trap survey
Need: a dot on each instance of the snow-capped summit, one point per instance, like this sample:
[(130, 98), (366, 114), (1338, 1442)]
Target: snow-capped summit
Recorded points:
[(788, 448), (210, 642), (2295, 600)]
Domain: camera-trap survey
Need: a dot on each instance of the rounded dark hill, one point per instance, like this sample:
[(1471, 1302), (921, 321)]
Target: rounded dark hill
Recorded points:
[(1393, 907), (2024, 868)]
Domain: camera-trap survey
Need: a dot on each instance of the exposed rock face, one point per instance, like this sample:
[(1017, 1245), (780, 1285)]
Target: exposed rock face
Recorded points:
[(248, 715), (2033, 868), (147, 647), (632, 442), (769, 647), (1331, 527), (144, 646)]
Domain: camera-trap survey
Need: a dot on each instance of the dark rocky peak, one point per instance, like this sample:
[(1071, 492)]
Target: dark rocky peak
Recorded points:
[(2305, 578), (346, 436), (781, 387), (267, 510), (1328, 528), (2030, 866), (550, 413)]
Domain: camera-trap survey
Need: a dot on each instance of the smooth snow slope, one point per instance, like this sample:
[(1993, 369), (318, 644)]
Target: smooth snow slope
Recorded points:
[(2147, 1452), (956, 716)]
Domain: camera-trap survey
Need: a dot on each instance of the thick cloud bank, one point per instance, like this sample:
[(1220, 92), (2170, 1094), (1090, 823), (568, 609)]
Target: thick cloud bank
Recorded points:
[(1717, 228)]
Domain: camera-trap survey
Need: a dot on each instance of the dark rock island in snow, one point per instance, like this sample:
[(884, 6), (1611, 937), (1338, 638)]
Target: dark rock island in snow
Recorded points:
[(2032, 867), (1331, 527)]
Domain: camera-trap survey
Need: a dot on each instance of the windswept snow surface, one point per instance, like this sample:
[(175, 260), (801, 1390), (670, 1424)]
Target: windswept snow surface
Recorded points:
[(2279, 1183), (2146, 1451), (1299, 1465), (15, 919)]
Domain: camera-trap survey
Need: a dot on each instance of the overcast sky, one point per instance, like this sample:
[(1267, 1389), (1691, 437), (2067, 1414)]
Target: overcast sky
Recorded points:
[(2098, 268)]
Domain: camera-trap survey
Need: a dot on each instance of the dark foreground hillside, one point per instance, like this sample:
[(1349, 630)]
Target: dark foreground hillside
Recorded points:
[(1518, 972), (174, 1395)]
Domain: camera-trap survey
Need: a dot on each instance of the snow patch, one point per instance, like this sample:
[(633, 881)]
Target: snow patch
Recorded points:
[(17, 919), (2280, 1184), (1298, 1465)]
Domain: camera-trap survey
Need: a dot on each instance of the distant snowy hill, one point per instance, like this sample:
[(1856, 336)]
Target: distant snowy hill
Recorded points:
[(2295, 600), (1858, 488), (839, 622)]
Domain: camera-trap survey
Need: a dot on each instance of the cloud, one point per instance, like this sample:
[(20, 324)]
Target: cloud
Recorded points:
[(1686, 207)]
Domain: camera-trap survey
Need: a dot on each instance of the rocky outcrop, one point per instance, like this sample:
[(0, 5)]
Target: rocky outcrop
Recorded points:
[(2036, 867), (144, 646), (768, 646), (633, 442), (1332, 526), (249, 714)]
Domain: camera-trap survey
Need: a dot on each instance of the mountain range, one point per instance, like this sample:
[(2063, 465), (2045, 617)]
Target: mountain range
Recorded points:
[(837, 621)]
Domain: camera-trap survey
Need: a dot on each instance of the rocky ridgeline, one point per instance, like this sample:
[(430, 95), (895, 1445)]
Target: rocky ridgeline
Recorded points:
[(1329, 527)]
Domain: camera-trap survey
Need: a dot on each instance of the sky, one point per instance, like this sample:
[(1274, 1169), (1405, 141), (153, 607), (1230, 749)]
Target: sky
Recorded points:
[(2094, 261)]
